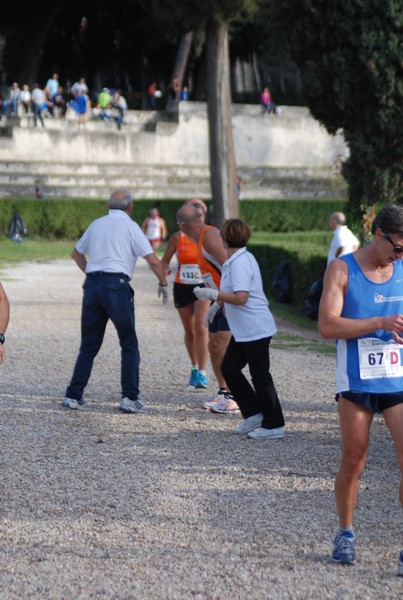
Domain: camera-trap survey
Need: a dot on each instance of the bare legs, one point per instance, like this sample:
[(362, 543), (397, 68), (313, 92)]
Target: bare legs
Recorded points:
[(217, 346), (355, 422), (196, 335), (394, 421)]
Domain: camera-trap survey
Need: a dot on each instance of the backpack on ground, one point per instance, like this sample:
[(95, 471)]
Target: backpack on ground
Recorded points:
[(281, 282), (313, 299)]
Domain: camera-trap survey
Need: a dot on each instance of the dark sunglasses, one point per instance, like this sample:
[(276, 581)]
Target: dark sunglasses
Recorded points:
[(396, 249)]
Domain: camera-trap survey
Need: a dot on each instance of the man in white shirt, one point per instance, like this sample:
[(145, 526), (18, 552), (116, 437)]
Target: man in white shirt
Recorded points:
[(344, 241), (113, 243)]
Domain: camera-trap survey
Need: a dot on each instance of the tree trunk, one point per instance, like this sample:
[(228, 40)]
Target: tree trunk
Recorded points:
[(256, 70), (34, 46), (222, 157), (182, 58)]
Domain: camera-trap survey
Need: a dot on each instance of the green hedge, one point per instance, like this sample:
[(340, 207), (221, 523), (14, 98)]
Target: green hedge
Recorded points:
[(305, 269), (68, 219), (290, 215)]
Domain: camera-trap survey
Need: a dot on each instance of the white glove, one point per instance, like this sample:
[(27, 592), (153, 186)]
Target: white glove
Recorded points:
[(205, 293), (163, 291), (212, 311)]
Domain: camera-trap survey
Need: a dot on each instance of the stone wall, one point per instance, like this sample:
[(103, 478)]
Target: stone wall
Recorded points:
[(290, 142)]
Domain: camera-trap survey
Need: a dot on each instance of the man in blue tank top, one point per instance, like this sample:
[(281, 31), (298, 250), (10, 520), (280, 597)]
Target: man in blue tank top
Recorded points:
[(362, 307)]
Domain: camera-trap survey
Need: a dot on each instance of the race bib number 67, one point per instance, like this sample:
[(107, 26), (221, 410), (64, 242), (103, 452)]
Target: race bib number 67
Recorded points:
[(379, 359)]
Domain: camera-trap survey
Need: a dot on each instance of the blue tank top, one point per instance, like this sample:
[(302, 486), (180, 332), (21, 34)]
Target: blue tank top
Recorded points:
[(373, 362)]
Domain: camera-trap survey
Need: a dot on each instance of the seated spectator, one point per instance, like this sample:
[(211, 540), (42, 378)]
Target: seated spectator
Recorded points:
[(266, 102), (152, 88), (82, 107), (78, 87), (26, 99), (38, 104), (106, 110), (52, 87), (60, 102), (184, 97), (14, 96), (119, 102), (104, 99)]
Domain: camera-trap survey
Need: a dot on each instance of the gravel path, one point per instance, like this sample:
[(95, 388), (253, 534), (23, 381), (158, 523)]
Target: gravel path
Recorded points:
[(172, 505)]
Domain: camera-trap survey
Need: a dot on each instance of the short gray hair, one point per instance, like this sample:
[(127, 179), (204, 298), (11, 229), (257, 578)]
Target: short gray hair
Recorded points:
[(120, 199)]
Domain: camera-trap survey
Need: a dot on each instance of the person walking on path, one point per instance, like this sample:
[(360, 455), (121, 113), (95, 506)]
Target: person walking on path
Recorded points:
[(154, 228), (344, 240), (211, 254), (362, 306), (192, 311), (113, 243), (252, 326), (4, 318)]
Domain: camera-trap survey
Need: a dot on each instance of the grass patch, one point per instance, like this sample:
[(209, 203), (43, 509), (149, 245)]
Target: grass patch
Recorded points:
[(294, 314), (36, 250), (288, 341)]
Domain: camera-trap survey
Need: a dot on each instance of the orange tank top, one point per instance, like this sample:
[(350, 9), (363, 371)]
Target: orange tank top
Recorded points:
[(209, 267), (188, 272)]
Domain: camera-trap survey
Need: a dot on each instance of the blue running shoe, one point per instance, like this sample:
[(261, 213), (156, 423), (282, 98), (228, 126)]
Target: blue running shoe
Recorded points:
[(193, 377), (201, 383), (343, 551), (400, 567)]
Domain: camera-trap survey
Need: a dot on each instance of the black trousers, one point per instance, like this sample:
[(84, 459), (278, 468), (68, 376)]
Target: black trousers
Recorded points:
[(262, 397)]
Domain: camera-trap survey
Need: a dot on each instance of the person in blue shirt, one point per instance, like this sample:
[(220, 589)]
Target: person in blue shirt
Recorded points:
[(362, 307)]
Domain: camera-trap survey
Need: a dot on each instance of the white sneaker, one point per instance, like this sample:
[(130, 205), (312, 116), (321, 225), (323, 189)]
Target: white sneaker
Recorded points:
[(133, 406), (208, 404), (267, 434), (72, 403), (250, 424), (226, 406)]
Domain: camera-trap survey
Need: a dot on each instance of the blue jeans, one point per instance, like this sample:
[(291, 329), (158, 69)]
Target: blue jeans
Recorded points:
[(107, 296), (262, 397)]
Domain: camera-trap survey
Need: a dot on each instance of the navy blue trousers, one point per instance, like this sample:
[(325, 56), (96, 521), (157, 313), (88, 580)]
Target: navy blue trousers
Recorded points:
[(107, 296)]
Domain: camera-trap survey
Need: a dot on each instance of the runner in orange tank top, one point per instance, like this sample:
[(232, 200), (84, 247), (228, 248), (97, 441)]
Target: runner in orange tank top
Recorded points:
[(192, 312), (211, 254)]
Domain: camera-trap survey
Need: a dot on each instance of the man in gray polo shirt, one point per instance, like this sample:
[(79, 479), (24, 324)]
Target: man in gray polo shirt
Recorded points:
[(113, 244)]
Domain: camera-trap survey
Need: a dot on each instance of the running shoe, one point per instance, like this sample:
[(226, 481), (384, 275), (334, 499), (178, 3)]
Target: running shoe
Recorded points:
[(214, 400), (343, 551), (261, 433), (249, 424), (72, 403), (226, 406), (400, 567), (194, 373), (201, 383), (133, 406)]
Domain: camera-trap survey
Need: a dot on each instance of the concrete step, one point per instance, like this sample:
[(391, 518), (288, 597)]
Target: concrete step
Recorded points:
[(135, 170), (90, 180)]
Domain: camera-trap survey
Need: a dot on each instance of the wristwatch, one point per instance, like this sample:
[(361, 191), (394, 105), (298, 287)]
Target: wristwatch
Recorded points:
[(2, 338)]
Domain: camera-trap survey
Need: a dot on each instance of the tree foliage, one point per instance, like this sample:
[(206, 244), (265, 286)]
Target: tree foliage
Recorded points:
[(351, 56), (212, 17)]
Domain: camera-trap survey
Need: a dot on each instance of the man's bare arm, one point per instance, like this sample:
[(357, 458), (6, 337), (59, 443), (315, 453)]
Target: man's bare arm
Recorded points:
[(80, 259), (214, 245), (332, 324)]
